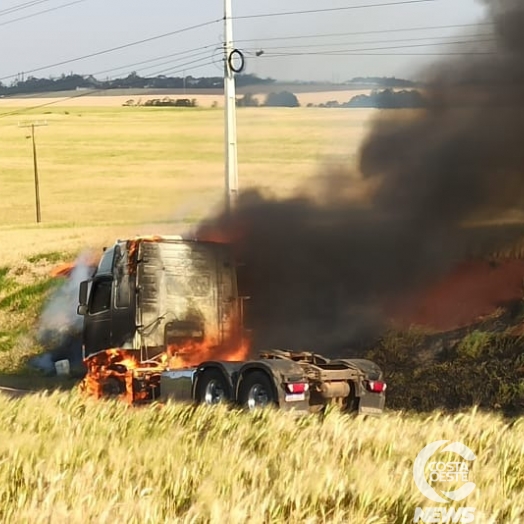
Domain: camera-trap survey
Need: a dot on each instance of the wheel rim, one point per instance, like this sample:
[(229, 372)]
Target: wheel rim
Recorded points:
[(257, 397), (214, 393)]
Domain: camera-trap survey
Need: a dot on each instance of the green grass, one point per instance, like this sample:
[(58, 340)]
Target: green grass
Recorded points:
[(24, 288), (27, 296), (51, 256)]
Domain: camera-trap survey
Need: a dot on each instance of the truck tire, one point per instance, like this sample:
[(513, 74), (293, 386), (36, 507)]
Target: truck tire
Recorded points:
[(113, 387), (212, 388), (256, 391), (352, 400)]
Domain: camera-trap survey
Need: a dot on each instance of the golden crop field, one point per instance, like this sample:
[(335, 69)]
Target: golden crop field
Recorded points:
[(152, 169), (65, 459), (113, 171)]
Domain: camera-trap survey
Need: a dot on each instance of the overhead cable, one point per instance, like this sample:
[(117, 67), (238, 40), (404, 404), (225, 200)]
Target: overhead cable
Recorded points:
[(116, 48), (32, 15), (332, 9), (358, 33)]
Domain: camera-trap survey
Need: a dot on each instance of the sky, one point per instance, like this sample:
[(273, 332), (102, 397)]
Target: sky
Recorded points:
[(313, 53)]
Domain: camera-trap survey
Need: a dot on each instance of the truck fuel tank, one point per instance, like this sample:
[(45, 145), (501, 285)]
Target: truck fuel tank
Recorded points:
[(177, 384)]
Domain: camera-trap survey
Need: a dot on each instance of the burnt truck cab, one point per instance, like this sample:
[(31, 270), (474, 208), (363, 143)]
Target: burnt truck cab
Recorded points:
[(152, 292), (173, 306)]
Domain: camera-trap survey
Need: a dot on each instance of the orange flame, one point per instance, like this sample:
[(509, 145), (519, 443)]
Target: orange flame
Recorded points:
[(65, 269), (116, 372), (132, 247), (471, 291), (192, 353)]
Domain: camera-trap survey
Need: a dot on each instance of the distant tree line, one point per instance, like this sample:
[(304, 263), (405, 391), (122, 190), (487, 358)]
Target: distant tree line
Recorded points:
[(383, 81), (386, 99), (73, 82), (162, 102), (282, 99)]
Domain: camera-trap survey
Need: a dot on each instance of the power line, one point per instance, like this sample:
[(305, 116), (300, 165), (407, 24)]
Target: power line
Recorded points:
[(183, 67), (41, 13), (117, 48), (343, 52), (358, 33), (20, 7), (138, 42), (357, 53), (265, 48), (188, 53), (332, 9), (453, 53), (199, 51)]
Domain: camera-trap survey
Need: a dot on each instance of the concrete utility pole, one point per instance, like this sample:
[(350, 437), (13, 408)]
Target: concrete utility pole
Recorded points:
[(35, 166), (230, 109)]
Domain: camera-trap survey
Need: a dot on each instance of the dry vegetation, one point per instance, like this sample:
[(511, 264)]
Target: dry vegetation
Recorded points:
[(151, 169), (68, 460)]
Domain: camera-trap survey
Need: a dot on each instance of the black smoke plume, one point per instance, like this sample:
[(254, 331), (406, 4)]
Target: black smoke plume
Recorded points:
[(319, 269)]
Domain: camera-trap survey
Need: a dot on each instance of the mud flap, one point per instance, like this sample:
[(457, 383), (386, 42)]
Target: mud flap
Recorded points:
[(371, 403)]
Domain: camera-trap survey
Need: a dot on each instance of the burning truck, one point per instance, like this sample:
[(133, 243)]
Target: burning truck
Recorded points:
[(163, 319)]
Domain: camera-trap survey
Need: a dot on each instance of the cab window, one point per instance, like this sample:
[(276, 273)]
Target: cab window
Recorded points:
[(100, 296)]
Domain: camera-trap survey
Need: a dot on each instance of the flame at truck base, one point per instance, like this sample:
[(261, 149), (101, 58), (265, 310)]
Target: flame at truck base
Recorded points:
[(120, 373)]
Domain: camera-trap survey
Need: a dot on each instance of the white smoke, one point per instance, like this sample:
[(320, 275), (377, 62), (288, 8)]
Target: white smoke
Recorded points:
[(59, 319)]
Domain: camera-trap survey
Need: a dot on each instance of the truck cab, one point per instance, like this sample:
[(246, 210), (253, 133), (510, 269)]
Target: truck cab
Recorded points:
[(152, 293)]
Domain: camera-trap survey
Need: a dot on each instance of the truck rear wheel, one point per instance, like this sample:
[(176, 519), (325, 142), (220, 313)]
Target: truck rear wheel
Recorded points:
[(212, 388), (256, 391)]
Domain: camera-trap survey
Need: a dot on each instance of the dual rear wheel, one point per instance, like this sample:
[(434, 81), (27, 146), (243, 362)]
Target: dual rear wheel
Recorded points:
[(256, 390), (213, 388)]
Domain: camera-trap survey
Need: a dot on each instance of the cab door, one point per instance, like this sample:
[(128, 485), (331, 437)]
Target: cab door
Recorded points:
[(97, 322), (123, 325)]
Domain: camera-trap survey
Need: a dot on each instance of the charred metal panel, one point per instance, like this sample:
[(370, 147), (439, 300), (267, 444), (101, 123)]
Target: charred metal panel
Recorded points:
[(187, 290)]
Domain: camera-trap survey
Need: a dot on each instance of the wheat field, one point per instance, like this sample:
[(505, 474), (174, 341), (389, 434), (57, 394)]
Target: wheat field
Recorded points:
[(65, 459)]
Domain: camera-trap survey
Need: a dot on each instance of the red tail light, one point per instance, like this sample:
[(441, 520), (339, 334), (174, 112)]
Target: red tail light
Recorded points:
[(376, 386), (297, 387)]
